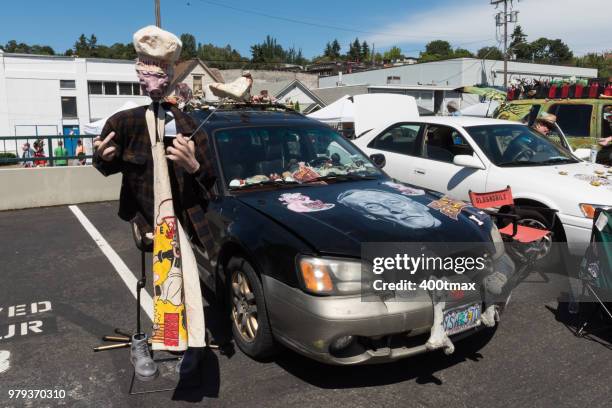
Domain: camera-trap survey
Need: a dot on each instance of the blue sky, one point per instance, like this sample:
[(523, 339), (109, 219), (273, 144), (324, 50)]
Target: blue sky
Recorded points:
[(407, 23)]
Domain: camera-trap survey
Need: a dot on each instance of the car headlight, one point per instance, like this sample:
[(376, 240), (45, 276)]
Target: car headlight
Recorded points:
[(498, 242), (327, 276), (589, 209)]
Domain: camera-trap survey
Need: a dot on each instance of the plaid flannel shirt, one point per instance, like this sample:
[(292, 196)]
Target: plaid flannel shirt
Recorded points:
[(135, 161)]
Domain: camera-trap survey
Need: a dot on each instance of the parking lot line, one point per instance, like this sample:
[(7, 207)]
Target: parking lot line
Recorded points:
[(123, 271)]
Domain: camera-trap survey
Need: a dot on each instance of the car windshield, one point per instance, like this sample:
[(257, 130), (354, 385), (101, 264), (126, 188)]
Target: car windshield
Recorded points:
[(284, 155), (518, 145)]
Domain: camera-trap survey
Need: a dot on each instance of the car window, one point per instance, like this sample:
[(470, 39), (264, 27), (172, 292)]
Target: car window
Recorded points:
[(606, 122), (517, 145), (255, 155), (443, 143), (398, 139), (574, 120)]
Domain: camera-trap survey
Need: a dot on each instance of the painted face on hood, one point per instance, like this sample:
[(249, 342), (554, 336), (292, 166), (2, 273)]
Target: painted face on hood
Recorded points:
[(386, 206), (154, 84)]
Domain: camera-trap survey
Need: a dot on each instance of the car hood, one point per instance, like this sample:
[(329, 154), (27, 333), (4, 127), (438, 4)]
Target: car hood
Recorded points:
[(570, 182), (336, 218)]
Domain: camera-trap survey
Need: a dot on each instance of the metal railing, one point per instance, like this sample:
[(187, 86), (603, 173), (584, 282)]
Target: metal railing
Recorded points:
[(14, 146)]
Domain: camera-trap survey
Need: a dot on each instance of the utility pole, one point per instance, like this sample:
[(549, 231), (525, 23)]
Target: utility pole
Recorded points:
[(157, 14), (503, 18)]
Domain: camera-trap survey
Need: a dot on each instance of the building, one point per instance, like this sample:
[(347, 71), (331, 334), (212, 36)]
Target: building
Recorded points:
[(55, 95), (197, 75), (289, 92), (51, 95), (455, 73)]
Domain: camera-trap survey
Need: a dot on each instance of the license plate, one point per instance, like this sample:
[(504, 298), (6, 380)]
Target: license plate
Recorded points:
[(462, 318)]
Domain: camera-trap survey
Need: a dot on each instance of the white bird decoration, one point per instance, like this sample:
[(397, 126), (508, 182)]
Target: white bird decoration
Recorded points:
[(239, 90)]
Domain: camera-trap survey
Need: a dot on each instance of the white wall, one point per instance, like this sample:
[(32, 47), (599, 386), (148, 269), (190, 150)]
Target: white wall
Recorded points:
[(42, 187), (456, 72), (30, 93)]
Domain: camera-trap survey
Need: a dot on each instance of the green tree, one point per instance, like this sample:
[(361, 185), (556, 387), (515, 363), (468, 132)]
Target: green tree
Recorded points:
[(354, 52), (268, 51), (365, 51), (395, 53), (437, 50), (518, 37), (493, 53), (335, 46), (220, 57), (598, 61), (462, 53), (549, 51), (189, 50), (22, 48)]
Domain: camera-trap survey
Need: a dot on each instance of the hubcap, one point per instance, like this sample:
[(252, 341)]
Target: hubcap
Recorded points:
[(542, 246), (244, 307)]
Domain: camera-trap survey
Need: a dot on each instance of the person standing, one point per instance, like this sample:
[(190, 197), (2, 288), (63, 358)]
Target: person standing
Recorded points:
[(80, 152), (604, 156), (28, 153), (60, 151), (453, 108), (39, 152)]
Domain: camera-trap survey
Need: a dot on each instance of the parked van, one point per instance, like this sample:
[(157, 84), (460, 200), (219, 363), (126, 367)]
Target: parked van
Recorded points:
[(582, 120)]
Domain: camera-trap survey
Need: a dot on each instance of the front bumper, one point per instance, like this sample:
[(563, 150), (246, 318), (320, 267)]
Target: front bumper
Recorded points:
[(385, 330), (577, 233)]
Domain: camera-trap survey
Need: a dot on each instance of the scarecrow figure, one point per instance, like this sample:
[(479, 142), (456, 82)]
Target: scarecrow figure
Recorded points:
[(167, 172)]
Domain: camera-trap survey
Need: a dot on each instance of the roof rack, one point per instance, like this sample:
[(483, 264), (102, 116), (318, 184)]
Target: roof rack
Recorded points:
[(263, 106)]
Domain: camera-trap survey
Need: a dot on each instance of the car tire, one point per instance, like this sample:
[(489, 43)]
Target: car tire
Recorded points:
[(248, 313), (554, 254)]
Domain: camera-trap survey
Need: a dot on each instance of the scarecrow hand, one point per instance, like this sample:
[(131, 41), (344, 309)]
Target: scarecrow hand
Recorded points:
[(107, 152), (183, 153), (605, 141)]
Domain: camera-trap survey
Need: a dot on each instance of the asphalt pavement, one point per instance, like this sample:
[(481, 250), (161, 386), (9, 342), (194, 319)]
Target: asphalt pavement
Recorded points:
[(59, 294)]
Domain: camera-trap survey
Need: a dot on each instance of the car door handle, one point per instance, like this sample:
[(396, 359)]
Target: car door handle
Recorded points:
[(419, 171)]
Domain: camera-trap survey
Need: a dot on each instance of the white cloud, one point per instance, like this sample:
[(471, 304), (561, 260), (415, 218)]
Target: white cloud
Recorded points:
[(584, 25)]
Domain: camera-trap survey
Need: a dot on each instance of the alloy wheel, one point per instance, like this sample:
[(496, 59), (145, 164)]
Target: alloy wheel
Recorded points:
[(544, 245), (244, 307)]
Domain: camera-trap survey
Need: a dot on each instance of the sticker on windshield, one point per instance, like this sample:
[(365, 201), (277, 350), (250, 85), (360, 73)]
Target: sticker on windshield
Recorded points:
[(593, 179), (298, 202), (449, 207), (380, 205), (405, 190)]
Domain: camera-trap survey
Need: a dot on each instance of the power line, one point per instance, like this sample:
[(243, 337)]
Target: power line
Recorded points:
[(319, 25)]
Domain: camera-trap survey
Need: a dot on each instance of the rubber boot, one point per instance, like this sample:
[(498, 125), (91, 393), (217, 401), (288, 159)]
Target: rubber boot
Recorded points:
[(140, 357)]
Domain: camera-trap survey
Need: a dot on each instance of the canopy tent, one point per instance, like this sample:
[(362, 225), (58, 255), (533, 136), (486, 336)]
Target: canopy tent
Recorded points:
[(492, 94), (95, 128), (368, 111), (480, 109), (337, 112)]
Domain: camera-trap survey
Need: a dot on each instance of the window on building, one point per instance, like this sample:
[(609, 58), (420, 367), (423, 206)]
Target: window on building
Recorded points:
[(393, 80), (95, 88), (398, 139), (110, 88), (136, 88), (125, 88), (67, 84), (69, 107), (197, 84), (574, 120)]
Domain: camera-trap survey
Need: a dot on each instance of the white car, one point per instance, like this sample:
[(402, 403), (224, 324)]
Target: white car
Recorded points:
[(454, 155)]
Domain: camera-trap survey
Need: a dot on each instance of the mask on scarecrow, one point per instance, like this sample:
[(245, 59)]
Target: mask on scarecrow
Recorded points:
[(157, 51)]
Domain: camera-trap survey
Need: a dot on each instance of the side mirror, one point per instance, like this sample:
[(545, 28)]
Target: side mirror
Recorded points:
[(465, 160), (379, 160)]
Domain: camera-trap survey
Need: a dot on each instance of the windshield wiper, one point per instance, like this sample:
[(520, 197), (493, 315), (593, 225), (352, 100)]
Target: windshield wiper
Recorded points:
[(558, 160), (342, 177), (515, 163), (277, 183)]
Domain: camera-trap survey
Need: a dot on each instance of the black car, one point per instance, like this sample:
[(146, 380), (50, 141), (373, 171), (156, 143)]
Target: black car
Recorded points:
[(292, 206)]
